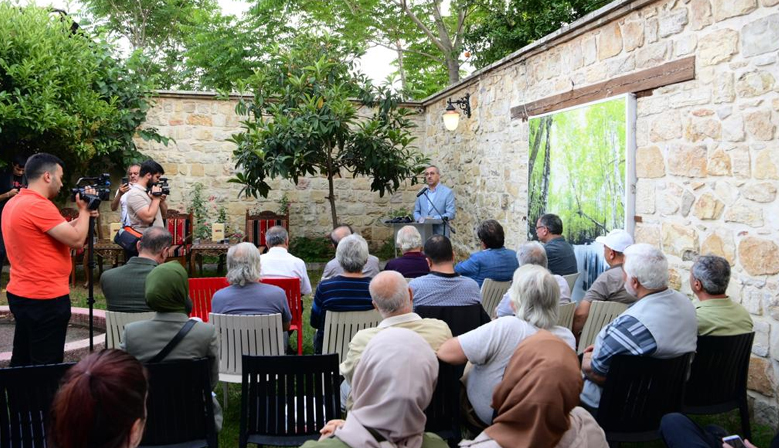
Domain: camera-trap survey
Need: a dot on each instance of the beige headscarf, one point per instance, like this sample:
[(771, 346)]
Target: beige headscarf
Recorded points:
[(392, 386)]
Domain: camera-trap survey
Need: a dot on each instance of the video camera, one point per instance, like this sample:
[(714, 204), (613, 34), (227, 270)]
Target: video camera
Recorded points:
[(163, 183), (101, 184)]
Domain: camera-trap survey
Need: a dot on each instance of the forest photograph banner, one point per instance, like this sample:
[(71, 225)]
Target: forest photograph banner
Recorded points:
[(576, 169)]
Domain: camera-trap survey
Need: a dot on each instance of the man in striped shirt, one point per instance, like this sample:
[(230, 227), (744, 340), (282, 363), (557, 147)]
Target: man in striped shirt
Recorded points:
[(347, 291)]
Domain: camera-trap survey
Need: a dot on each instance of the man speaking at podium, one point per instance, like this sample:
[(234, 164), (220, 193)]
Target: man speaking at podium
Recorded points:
[(435, 201)]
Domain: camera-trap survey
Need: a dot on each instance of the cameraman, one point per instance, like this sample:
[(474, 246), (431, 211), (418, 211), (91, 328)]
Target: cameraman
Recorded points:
[(133, 171), (145, 202), (11, 181), (38, 240)]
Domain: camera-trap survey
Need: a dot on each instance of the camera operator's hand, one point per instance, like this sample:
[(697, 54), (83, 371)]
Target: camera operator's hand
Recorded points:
[(94, 213), (155, 191), (82, 204)]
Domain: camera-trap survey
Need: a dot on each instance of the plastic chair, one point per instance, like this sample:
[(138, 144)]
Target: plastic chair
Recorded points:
[(26, 394), (286, 400), (638, 391), (180, 411), (115, 323), (565, 315), (341, 326), (443, 413), (571, 279), (245, 335), (461, 319), (601, 314), (718, 377), (201, 291), (291, 286), (491, 293)]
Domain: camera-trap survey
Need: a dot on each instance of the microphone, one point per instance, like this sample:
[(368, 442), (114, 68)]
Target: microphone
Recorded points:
[(422, 191)]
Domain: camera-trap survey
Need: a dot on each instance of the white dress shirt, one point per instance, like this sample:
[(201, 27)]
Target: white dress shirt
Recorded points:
[(280, 263)]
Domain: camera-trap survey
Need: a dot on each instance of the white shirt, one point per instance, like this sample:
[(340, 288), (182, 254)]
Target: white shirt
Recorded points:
[(280, 263)]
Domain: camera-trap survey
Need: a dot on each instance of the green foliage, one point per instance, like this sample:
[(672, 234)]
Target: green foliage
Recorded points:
[(283, 205), (311, 249), (387, 249), (303, 122), (67, 93), (199, 209)]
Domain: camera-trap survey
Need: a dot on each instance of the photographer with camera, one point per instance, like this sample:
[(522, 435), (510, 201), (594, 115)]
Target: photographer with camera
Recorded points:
[(133, 172), (38, 241), (146, 199), (11, 181)]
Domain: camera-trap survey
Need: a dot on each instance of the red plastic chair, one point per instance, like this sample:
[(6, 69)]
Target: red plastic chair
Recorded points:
[(292, 287), (201, 291)]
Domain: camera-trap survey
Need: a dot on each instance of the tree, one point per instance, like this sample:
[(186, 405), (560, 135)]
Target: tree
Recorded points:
[(66, 93), (303, 121)]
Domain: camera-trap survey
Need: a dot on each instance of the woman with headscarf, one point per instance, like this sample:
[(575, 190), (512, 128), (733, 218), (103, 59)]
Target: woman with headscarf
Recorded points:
[(536, 403), (167, 293), (391, 387)]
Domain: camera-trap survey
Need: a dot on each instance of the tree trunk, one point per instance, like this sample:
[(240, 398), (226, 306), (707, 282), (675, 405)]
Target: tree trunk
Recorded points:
[(401, 68), (453, 68), (547, 167), (331, 198)]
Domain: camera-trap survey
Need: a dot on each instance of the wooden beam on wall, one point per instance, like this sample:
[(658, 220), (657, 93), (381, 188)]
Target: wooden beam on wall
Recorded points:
[(663, 75)]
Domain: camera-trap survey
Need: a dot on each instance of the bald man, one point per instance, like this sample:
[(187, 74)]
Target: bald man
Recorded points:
[(333, 268)]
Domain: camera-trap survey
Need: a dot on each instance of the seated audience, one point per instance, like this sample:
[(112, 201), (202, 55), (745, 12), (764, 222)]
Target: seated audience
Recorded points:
[(678, 431), (100, 403), (562, 260), (609, 286), (344, 292), (278, 262), (490, 346), (246, 295), (717, 314), (443, 286), (125, 287), (661, 323), (533, 252), (392, 298), (392, 387), (167, 293), (536, 401), (412, 263), (333, 268), (494, 261)]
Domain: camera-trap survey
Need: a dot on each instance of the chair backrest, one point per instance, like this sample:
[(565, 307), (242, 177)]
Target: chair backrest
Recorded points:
[(288, 397), (443, 413), (246, 335), (565, 315), (461, 319), (719, 372), (491, 293), (257, 225), (571, 280), (26, 394), (601, 313), (180, 227), (180, 408), (638, 391), (291, 287), (341, 326), (115, 323), (201, 291)]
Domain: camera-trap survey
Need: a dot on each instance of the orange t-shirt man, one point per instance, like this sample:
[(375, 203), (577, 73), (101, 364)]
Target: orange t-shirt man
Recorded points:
[(40, 264)]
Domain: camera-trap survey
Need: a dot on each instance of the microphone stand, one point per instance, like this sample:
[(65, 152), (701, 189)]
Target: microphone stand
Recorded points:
[(445, 219)]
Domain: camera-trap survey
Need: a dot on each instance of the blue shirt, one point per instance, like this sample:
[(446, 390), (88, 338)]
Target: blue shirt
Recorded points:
[(253, 298), (439, 289), (338, 293), (497, 264), (560, 256)]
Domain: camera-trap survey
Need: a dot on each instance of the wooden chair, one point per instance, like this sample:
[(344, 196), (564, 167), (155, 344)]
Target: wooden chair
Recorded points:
[(257, 225), (180, 226), (201, 291), (565, 315), (259, 335), (291, 286), (115, 323), (286, 400), (26, 394), (718, 377), (601, 313), (491, 293), (571, 279), (341, 326)]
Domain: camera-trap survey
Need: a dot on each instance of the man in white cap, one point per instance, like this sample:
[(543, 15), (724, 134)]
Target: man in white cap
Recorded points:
[(609, 286)]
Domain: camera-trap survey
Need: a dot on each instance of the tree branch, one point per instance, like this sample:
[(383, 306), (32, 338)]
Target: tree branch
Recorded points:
[(404, 5), (405, 50)]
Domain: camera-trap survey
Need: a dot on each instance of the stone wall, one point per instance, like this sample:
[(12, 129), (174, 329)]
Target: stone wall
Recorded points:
[(707, 158)]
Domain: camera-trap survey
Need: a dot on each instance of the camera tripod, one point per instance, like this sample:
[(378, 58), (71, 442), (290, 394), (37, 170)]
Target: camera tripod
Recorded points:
[(91, 294)]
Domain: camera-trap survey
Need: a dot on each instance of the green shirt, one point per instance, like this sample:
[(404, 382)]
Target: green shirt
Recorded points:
[(429, 440), (722, 317)]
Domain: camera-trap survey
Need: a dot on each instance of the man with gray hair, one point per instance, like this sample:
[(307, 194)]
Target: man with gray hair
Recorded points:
[(125, 287), (344, 292), (534, 253), (278, 262), (413, 263), (717, 314), (393, 299), (661, 323), (246, 295), (333, 267)]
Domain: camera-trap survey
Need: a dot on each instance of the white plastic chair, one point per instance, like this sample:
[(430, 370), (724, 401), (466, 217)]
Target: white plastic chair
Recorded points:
[(565, 315), (601, 314), (571, 279), (341, 326), (259, 335), (491, 293), (115, 323)]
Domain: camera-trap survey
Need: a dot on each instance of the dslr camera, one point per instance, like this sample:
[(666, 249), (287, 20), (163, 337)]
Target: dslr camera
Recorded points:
[(101, 184), (163, 183)]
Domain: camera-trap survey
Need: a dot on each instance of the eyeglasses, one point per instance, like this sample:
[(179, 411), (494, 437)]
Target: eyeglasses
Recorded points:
[(432, 173), (540, 227)]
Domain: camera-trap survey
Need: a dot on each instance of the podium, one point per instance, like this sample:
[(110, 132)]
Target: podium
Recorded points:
[(425, 229)]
